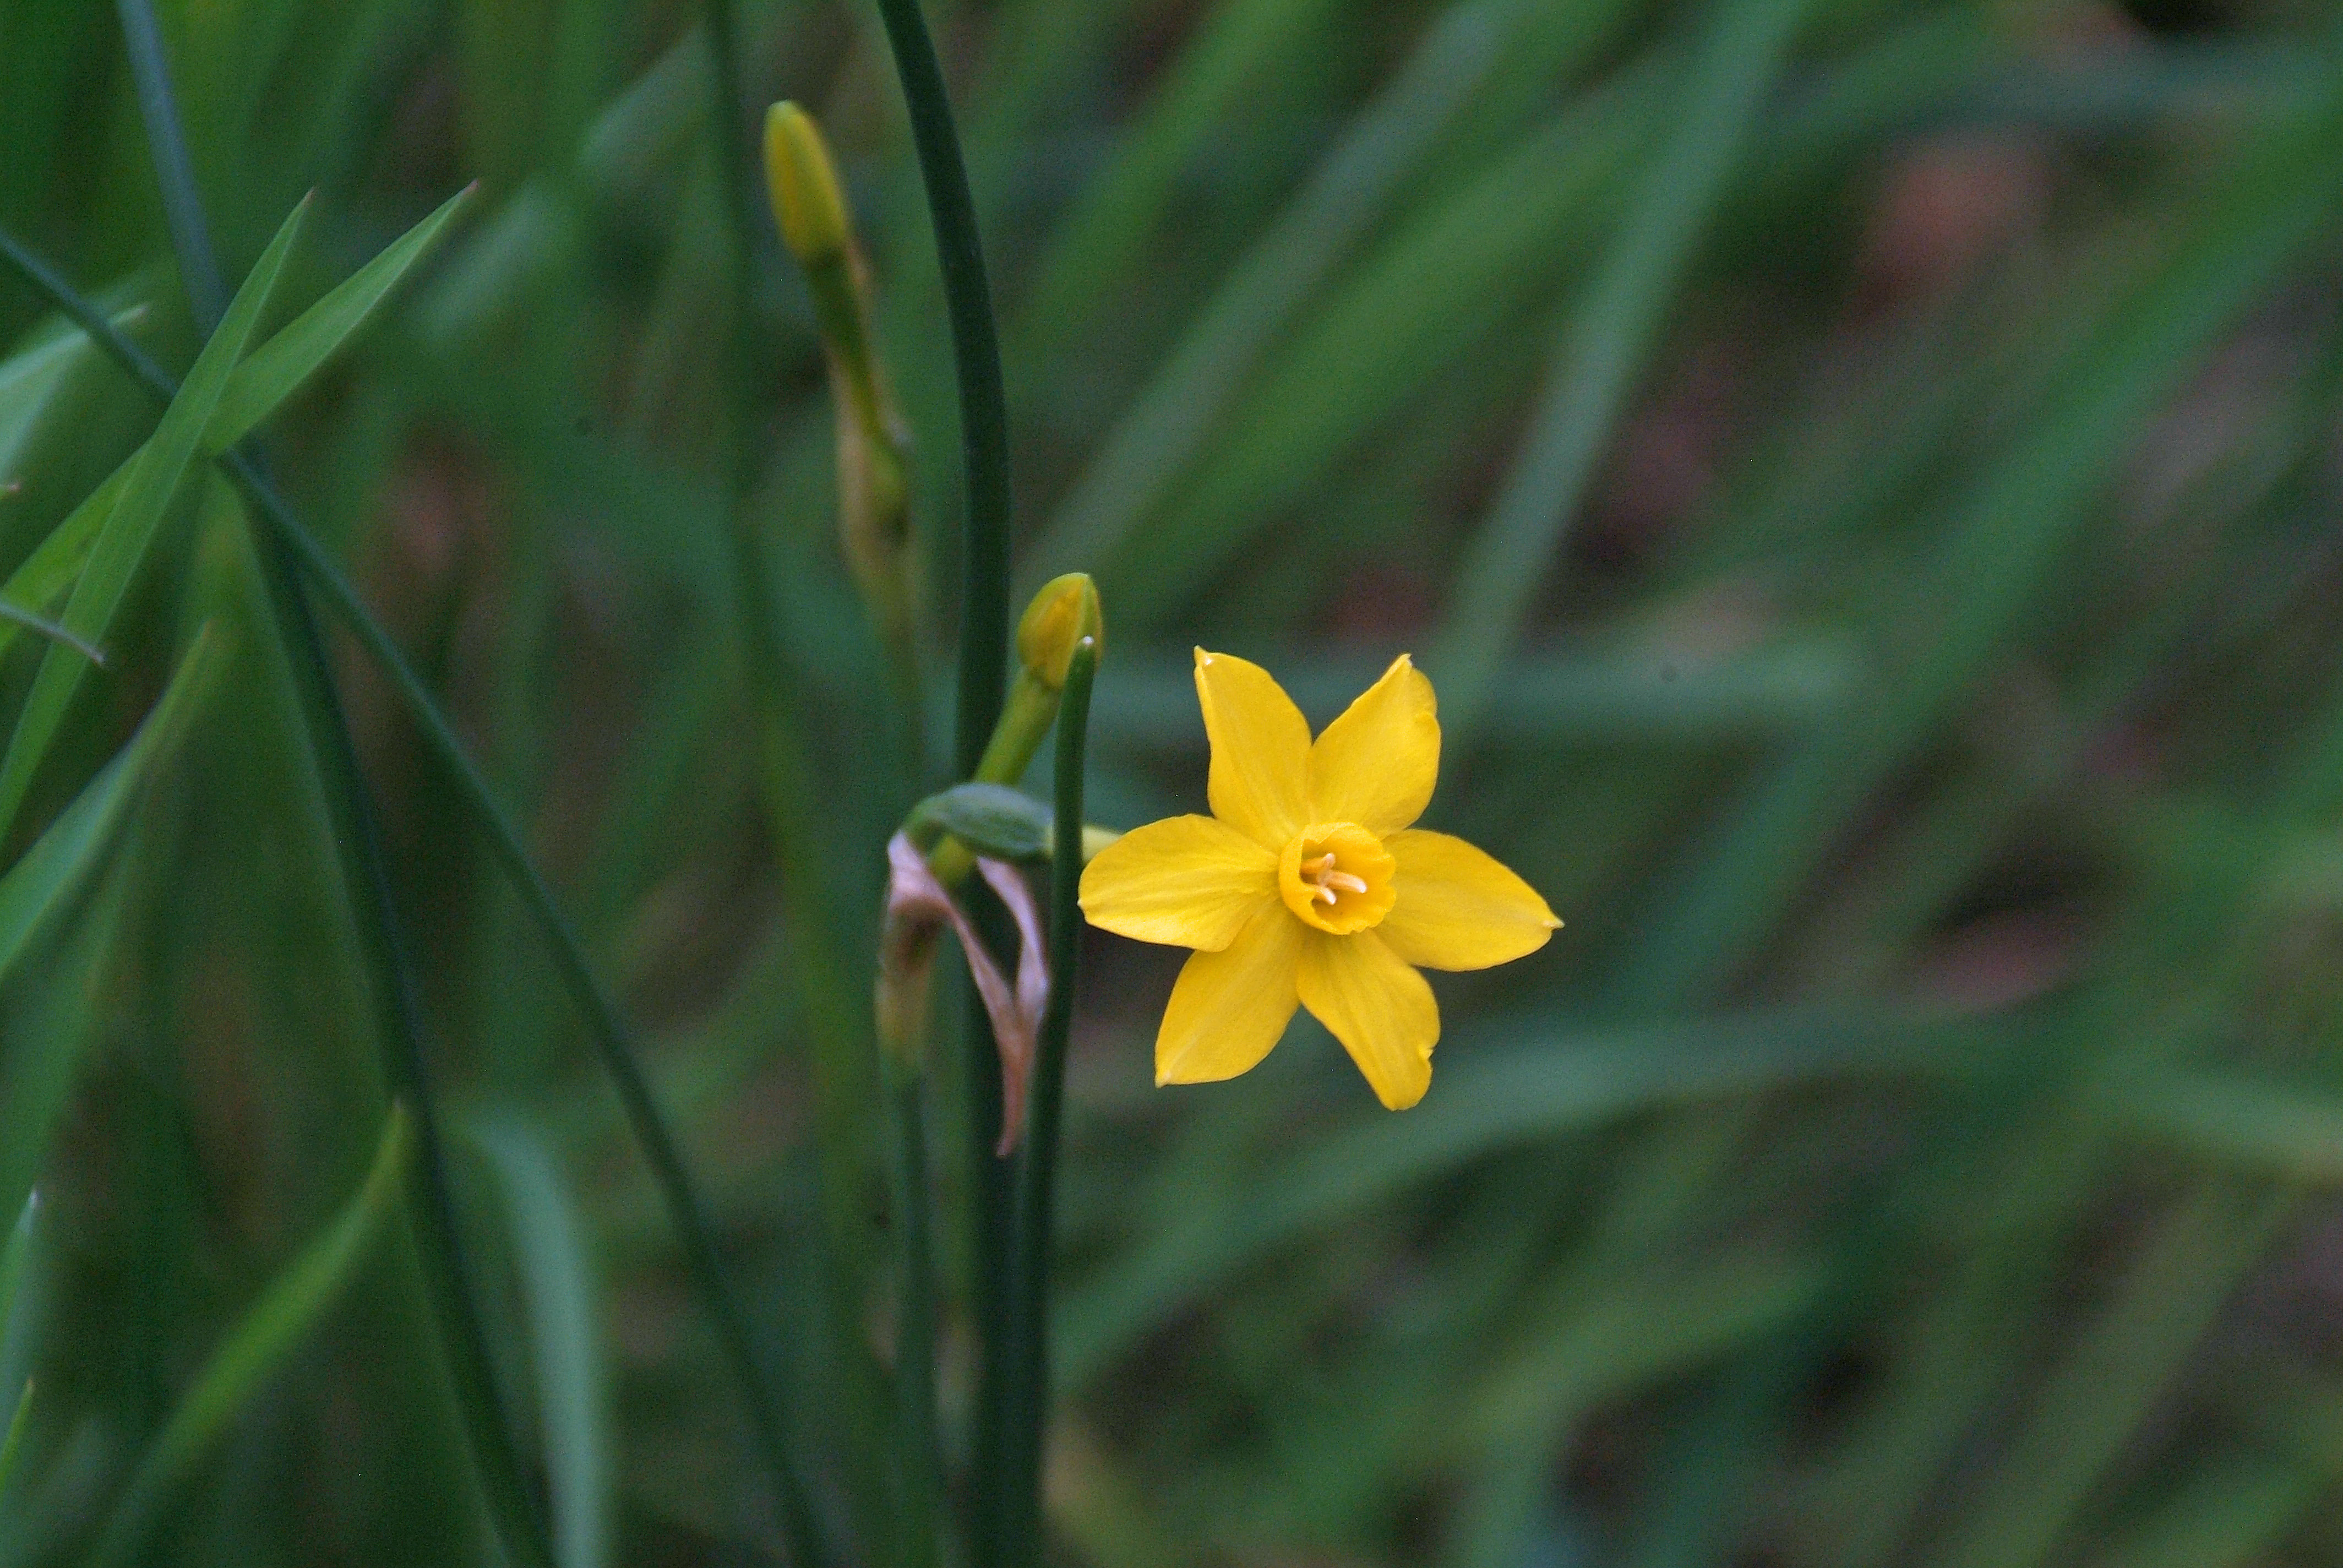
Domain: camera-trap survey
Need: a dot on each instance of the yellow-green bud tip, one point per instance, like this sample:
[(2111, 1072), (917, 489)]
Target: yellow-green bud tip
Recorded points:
[(1064, 612), (803, 184)]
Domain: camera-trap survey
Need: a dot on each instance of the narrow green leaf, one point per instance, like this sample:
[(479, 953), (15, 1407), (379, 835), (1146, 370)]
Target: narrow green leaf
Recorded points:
[(1449, 273), (56, 631), (41, 582), (21, 1292), (1551, 700), (1164, 428), (2233, 239), (1610, 337), (1198, 95), (558, 1284), (29, 379), (62, 857), (15, 1258), (2092, 1405), (11, 1447), (2239, 1123), (278, 368), (2228, 1515), (121, 543), (36, 1072), (257, 1347), (1489, 1101)]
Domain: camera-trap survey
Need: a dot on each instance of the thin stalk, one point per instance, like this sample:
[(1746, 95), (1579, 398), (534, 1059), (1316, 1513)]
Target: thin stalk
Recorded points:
[(611, 1038), (1027, 1368), (834, 1021), (182, 209), (976, 356), (919, 1470), (983, 657), (358, 846)]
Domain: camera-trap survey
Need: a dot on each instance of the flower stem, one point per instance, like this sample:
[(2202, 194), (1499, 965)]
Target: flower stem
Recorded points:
[(1027, 1404), (920, 1472), (844, 1083), (983, 656), (983, 405)]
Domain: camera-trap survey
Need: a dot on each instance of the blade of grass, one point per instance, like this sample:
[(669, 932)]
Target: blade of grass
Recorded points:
[(11, 1447), (2238, 1124), (2107, 1385), (607, 1031), (175, 171), (1610, 337), (29, 379), (23, 1292), (2229, 1515), (1172, 420), (256, 387), (558, 1286), (1237, 44), (364, 880), (56, 631), (121, 541), (279, 368), (2235, 236), (1453, 270), (66, 856), (1492, 1100), (358, 846), (257, 1348)]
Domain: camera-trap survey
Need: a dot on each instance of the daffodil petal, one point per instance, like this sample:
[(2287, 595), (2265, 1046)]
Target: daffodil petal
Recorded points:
[(1377, 764), (1192, 881), (1380, 1008), (1457, 908), (1230, 1007), (1260, 750)]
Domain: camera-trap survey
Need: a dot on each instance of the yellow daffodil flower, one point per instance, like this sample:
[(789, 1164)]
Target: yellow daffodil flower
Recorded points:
[(1308, 887)]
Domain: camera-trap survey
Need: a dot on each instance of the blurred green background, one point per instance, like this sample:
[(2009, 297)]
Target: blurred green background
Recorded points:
[(1863, 478)]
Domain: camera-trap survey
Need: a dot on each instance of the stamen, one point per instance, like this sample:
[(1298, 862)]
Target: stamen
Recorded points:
[(1328, 885)]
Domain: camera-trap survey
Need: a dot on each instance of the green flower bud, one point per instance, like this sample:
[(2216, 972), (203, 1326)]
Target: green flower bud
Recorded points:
[(1064, 612), (803, 185)]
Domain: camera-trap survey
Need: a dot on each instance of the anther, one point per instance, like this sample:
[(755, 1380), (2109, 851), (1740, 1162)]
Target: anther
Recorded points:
[(1328, 884)]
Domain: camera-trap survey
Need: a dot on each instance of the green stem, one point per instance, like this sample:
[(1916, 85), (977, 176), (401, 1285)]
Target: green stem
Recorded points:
[(1027, 1406), (983, 653), (976, 355), (358, 846), (612, 1039), (919, 1470), (183, 208), (836, 1021)]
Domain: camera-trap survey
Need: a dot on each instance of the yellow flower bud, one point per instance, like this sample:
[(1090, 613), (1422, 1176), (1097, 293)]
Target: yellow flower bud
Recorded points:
[(803, 184), (1064, 612)]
